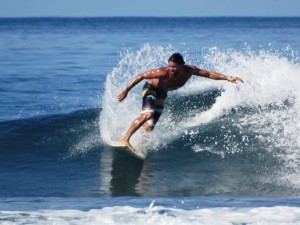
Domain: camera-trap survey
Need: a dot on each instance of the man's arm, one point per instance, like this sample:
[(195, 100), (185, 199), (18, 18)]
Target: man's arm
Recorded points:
[(156, 73), (214, 75)]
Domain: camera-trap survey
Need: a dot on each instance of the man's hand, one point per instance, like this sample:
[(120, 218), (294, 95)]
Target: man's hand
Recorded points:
[(234, 79), (122, 95)]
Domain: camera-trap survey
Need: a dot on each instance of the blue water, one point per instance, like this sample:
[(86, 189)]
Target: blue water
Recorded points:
[(216, 145)]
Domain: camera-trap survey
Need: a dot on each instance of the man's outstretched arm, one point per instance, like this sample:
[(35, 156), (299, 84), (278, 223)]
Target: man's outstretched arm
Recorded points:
[(156, 73), (215, 75)]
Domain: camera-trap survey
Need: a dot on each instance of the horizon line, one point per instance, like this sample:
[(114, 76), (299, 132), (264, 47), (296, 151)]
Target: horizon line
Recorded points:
[(77, 17)]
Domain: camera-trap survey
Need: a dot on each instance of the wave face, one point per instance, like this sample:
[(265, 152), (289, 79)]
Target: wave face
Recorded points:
[(215, 137)]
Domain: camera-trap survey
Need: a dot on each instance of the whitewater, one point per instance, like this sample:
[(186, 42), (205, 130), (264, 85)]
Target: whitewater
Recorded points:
[(264, 109)]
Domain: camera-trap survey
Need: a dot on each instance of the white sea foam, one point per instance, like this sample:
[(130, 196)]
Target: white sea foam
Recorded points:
[(271, 89), (156, 215), (271, 80)]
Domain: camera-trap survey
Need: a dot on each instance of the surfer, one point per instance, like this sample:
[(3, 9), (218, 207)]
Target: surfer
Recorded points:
[(158, 83)]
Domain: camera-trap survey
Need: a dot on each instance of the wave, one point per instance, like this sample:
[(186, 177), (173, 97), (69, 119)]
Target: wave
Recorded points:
[(214, 138), (256, 122)]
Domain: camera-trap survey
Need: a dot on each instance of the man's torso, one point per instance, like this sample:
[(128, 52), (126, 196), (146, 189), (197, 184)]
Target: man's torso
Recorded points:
[(171, 82)]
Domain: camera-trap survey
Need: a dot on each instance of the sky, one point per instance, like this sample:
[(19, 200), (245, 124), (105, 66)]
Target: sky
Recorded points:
[(152, 8)]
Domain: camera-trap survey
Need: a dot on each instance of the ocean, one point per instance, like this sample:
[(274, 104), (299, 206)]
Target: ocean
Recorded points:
[(220, 154)]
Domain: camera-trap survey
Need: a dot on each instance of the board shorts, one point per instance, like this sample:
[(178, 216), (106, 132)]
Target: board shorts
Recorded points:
[(153, 101)]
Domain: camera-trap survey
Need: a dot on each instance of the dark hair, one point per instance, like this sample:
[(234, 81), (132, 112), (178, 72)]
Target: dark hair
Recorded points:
[(177, 58)]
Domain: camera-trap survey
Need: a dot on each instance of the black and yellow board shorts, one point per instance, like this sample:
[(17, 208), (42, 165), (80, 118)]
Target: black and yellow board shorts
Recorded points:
[(153, 101)]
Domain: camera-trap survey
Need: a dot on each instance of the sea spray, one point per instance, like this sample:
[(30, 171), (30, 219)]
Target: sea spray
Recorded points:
[(268, 102), (264, 109)]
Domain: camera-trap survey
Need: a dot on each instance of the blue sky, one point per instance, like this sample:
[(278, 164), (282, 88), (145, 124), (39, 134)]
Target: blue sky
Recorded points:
[(92, 8)]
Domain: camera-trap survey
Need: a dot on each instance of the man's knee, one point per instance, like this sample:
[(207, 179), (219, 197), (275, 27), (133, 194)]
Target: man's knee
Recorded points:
[(148, 126), (149, 121), (148, 116)]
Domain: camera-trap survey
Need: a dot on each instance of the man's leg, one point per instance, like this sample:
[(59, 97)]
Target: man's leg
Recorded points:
[(150, 124), (148, 114), (136, 124)]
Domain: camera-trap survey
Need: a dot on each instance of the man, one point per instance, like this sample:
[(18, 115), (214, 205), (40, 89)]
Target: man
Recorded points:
[(159, 82)]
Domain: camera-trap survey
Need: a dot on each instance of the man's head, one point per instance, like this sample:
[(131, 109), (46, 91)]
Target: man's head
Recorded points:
[(175, 62), (176, 58)]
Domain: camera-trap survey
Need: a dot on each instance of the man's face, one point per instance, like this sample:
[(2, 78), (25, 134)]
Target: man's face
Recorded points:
[(173, 67)]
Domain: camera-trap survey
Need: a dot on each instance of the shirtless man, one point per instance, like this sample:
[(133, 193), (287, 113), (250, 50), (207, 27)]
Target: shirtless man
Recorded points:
[(159, 82)]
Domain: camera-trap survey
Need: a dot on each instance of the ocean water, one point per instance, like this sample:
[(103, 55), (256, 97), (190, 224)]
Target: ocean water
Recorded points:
[(220, 154)]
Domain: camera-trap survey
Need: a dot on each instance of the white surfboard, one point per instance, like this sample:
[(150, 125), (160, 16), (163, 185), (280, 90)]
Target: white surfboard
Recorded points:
[(140, 150)]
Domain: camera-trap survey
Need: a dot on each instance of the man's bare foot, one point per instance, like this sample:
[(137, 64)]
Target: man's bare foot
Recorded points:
[(127, 144), (121, 143)]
